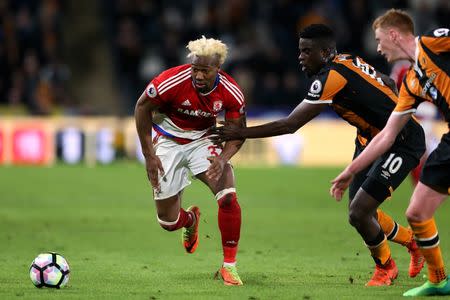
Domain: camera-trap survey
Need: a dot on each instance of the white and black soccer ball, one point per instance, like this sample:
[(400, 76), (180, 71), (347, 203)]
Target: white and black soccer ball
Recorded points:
[(50, 270)]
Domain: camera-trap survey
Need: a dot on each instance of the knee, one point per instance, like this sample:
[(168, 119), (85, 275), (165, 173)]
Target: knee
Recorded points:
[(355, 217), (413, 215), (352, 219)]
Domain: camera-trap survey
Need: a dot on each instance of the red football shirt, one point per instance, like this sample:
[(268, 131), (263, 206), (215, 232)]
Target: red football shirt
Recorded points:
[(186, 113)]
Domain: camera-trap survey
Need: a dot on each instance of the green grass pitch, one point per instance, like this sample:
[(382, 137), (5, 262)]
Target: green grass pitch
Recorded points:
[(296, 242)]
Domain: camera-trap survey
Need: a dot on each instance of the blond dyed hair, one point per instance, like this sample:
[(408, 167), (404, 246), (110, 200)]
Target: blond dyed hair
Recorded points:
[(396, 18), (208, 47)]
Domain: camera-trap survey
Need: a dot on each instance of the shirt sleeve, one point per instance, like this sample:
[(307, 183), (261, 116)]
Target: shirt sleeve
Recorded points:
[(235, 104), (437, 40), (235, 111), (164, 87), (407, 100), (324, 88), (152, 92)]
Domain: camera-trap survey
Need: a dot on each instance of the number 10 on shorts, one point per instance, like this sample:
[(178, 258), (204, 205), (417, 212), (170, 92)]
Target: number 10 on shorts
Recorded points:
[(393, 163)]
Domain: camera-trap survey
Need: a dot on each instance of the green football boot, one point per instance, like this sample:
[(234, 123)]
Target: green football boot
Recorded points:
[(430, 289)]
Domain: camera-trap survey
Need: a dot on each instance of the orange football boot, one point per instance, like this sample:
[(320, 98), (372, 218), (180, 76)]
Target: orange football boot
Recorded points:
[(190, 235), (417, 259), (229, 275), (384, 275)]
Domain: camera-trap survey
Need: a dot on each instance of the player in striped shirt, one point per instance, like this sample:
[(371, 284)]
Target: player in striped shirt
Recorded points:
[(364, 98), (181, 105), (427, 80)]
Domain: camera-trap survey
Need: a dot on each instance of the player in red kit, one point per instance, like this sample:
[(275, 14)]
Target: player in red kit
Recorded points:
[(181, 105)]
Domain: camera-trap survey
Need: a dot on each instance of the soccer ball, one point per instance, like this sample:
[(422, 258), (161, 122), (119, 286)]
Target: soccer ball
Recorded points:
[(49, 270)]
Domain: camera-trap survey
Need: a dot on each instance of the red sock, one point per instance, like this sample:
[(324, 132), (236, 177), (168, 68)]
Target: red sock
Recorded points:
[(185, 219), (229, 224)]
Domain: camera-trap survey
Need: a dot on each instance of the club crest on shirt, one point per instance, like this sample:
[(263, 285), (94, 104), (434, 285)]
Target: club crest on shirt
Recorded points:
[(217, 105), (151, 91)]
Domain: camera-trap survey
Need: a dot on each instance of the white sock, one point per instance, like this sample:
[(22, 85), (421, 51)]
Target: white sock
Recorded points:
[(233, 264)]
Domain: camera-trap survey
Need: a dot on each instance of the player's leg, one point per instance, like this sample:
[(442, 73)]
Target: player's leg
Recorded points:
[(393, 231), (362, 212), (229, 211), (361, 216), (403, 236), (390, 171), (431, 191), (229, 219), (420, 212), (385, 175), (171, 216)]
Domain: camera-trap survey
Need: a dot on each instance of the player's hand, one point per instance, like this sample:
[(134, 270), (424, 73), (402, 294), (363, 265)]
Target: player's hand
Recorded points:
[(215, 170), (154, 166), (340, 184), (228, 132)]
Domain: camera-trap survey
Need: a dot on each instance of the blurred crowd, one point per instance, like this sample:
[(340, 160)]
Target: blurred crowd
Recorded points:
[(32, 73), (147, 36), (150, 36)]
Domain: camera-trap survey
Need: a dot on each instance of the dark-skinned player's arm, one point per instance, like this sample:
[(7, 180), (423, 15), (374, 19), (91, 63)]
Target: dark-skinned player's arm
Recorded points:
[(230, 148), (143, 117), (377, 147), (301, 115)]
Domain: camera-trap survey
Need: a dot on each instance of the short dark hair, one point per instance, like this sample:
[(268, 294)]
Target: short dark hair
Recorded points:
[(317, 31), (321, 33)]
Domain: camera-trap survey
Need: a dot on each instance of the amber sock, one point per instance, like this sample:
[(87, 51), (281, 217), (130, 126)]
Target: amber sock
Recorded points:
[(427, 239), (379, 249), (393, 231)]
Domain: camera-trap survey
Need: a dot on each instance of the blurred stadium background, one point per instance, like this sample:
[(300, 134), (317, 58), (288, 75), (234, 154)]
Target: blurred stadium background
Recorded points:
[(70, 73)]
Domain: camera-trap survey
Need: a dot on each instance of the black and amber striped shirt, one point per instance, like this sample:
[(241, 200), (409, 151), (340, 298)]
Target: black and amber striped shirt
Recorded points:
[(363, 97), (428, 79)]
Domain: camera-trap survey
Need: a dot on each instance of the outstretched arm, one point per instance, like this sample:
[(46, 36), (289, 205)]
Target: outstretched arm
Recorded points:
[(301, 115), (377, 147)]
